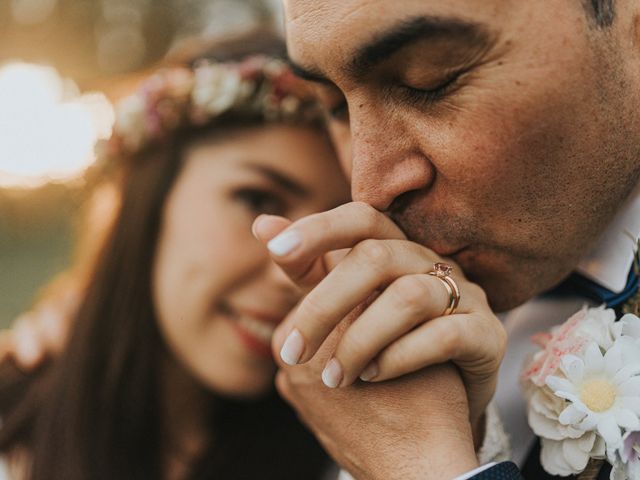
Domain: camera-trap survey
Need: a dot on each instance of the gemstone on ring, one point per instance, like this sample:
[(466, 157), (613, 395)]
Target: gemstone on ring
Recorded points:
[(442, 269)]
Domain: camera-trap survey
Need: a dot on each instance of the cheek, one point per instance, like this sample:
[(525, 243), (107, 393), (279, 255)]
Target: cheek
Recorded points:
[(201, 259), (509, 159)]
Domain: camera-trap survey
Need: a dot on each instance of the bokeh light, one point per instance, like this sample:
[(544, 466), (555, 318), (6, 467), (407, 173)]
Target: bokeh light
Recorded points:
[(48, 130)]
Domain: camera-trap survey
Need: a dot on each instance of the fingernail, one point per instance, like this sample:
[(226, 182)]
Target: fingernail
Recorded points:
[(284, 243), (254, 227), (292, 348), (370, 372), (27, 349), (332, 374)]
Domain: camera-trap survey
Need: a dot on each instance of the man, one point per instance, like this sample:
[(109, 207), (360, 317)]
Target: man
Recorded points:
[(502, 134)]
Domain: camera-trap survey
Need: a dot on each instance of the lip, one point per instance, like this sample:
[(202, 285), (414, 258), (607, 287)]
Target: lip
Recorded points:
[(451, 253), (270, 318), (254, 344)]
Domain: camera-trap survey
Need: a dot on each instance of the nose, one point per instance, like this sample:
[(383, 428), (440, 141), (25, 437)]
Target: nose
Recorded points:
[(386, 161)]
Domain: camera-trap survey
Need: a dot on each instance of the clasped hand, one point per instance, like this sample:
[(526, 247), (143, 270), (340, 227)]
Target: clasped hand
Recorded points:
[(354, 257)]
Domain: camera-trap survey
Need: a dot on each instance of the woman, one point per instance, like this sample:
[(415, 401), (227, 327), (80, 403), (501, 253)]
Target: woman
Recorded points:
[(167, 372)]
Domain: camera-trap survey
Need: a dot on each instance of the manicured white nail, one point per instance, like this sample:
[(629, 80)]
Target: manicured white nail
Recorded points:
[(292, 348), (284, 243), (332, 374), (370, 372)]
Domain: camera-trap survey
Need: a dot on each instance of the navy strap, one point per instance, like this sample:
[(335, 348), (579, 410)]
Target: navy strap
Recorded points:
[(576, 284), (501, 471)]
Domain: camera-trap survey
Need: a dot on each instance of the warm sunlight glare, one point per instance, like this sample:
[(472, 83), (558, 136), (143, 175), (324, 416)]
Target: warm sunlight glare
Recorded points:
[(47, 127)]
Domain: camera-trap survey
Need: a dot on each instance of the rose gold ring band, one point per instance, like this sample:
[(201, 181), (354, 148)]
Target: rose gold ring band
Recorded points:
[(442, 272)]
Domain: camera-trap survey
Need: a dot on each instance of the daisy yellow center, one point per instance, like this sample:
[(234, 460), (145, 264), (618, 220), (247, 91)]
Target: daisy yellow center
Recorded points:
[(598, 395)]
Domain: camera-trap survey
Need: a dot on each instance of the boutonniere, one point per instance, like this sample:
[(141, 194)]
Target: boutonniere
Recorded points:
[(583, 392)]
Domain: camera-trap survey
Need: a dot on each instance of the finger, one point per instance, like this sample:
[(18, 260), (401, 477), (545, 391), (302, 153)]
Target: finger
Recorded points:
[(52, 328), (28, 350), (265, 227), (370, 266), (300, 246), (406, 303), (471, 343)]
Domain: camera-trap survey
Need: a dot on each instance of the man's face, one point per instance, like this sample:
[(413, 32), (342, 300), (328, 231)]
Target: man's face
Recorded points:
[(500, 133)]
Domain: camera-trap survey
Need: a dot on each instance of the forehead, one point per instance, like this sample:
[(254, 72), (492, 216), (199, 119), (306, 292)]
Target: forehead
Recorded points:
[(341, 26)]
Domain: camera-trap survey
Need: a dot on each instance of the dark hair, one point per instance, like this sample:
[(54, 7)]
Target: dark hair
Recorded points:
[(95, 413), (602, 11)]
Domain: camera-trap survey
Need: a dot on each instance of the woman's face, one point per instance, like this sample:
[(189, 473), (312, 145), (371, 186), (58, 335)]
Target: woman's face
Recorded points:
[(218, 296)]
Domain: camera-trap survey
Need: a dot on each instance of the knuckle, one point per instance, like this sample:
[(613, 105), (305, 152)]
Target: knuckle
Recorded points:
[(313, 310), (352, 347), (393, 360), (451, 339), (411, 292), (374, 253), (476, 291), (320, 222)]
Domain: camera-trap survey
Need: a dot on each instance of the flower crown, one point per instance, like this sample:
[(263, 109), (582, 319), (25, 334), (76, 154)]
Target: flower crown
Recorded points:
[(178, 97)]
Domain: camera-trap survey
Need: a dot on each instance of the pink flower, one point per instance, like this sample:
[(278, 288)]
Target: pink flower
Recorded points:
[(587, 325), (560, 341)]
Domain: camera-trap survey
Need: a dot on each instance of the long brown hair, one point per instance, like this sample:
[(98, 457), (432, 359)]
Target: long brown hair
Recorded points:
[(94, 413)]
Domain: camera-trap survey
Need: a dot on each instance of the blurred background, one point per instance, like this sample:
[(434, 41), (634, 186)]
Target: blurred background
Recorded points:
[(62, 63)]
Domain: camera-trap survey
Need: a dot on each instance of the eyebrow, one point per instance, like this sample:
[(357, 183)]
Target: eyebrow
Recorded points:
[(399, 36), (281, 180)]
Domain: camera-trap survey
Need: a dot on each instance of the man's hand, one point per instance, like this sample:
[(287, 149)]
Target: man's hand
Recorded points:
[(403, 330), (412, 428)]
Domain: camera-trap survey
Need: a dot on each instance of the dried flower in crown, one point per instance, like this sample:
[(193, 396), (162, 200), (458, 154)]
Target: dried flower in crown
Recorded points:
[(177, 97)]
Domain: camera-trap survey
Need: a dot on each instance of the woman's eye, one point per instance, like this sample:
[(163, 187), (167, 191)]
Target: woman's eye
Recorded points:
[(339, 112), (260, 201)]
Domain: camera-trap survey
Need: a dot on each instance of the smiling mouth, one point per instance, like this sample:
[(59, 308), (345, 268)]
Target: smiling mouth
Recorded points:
[(255, 329)]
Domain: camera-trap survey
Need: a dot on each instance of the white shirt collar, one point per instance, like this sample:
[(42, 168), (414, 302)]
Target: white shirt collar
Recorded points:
[(609, 262)]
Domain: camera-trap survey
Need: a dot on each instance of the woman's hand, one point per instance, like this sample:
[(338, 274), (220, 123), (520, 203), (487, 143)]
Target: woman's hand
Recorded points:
[(355, 254), (34, 337)]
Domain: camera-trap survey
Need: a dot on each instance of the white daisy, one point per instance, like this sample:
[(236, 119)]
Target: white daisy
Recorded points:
[(602, 391)]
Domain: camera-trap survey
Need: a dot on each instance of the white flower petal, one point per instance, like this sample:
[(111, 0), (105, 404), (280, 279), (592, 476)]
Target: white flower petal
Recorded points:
[(626, 372), (574, 455), (571, 416), (630, 388), (599, 448), (587, 441), (560, 384), (568, 396), (594, 361), (545, 427), (630, 325), (629, 403), (613, 360), (626, 419), (589, 423), (609, 430), (619, 472), (553, 460), (573, 368)]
